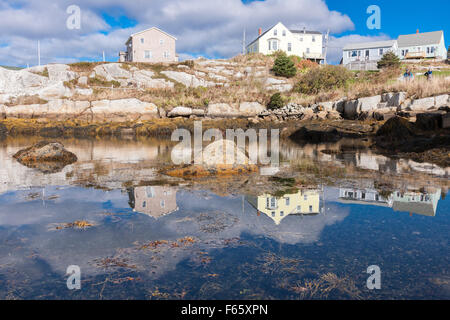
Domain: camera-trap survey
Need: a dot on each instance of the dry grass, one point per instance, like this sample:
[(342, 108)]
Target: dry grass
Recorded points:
[(250, 88)]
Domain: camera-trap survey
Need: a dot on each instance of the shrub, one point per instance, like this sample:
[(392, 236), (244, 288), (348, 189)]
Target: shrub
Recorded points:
[(324, 78), (276, 102), (389, 60), (284, 66), (305, 65)]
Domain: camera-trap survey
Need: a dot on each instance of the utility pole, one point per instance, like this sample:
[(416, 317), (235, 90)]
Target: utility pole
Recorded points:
[(243, 43), (326, 47), (39, 53)]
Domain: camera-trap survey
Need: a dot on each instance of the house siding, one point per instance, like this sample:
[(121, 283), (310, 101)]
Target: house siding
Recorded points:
[(283, 36), (160, 46)]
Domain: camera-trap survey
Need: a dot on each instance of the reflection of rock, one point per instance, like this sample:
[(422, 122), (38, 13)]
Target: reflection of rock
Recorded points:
[(220, 158), (304, 202), (46, 156), (154, 201)]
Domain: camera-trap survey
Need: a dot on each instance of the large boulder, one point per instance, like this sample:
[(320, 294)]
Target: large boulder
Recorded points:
[(144, 79), (251, 108), (180, 112), (393, 99), (187, 79), (48, 157), (368, 103), (112, 71), (422, 104), (441, 100), (396, 129), (123, 110), (351, 109), (430, 120), (220, 158), (221, 110)]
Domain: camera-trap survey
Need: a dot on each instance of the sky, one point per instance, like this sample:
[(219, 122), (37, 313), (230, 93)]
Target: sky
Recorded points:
[(207, 28)]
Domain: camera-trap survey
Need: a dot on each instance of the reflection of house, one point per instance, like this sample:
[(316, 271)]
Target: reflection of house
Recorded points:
[(153, 200), (363, 196), (422, 203), (277, 208), (415, 202)]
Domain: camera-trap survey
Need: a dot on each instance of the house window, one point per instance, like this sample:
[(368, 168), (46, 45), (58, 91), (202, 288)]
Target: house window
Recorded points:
[(161, 42), (284, 33), (428, 50), (310, 208), (275, 45), (149, 192), (432, 49), (275, 32), (288, 201), (270, 45), (271, 203), (354, 53), (289, 46), (281, 213), (273, 213), (349, 54), (381, 51), (301, 39), (147, 54), (307, 50), (313, 39), (142, 40), (363, 195), (163, 203), (166, 54), (299, 208), (305, 197), (367, 53), (144, 204)]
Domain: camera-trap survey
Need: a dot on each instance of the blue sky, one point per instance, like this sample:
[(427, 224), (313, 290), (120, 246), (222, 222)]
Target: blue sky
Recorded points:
[(209, 28)]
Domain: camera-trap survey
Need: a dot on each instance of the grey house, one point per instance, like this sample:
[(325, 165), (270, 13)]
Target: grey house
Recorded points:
[(422, 45)]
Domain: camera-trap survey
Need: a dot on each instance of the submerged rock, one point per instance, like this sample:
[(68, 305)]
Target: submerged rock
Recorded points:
[(215, 161), (48, 157)]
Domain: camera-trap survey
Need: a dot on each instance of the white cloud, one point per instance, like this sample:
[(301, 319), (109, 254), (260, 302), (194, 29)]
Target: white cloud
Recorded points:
[(203, 27)]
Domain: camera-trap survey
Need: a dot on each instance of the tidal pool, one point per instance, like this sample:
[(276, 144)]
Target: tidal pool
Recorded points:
[(147, 237)]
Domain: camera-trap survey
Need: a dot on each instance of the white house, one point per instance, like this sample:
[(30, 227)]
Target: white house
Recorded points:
[(364, 56), (303, 43), (422, 45)]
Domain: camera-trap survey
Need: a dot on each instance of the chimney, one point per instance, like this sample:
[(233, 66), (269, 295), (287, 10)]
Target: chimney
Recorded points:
[(259, 31), (304, 30), (417, 31)]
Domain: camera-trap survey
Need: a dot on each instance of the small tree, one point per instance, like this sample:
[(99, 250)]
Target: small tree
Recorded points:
[(276, 102), (389, 60), (284, 66)]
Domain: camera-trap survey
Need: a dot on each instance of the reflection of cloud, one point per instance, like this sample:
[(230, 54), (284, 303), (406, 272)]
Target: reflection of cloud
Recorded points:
[(209, 219)]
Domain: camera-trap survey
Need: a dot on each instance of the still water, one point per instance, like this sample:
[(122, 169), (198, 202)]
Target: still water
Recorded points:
[(148, 237)]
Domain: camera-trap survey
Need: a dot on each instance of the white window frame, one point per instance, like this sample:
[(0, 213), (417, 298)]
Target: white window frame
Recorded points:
[(289, 47), (142, 40), (161, 41), (284, 33), (275, 32), (149, 56)]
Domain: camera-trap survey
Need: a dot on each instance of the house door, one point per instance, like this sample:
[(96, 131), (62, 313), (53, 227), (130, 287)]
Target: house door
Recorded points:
[(367, 54)]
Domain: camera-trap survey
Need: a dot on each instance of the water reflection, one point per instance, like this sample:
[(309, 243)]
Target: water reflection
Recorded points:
[(304, 202), (422, 203), (155, 201)]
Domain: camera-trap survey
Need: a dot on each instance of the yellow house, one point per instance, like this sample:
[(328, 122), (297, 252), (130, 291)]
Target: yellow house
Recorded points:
[(305, 202)]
